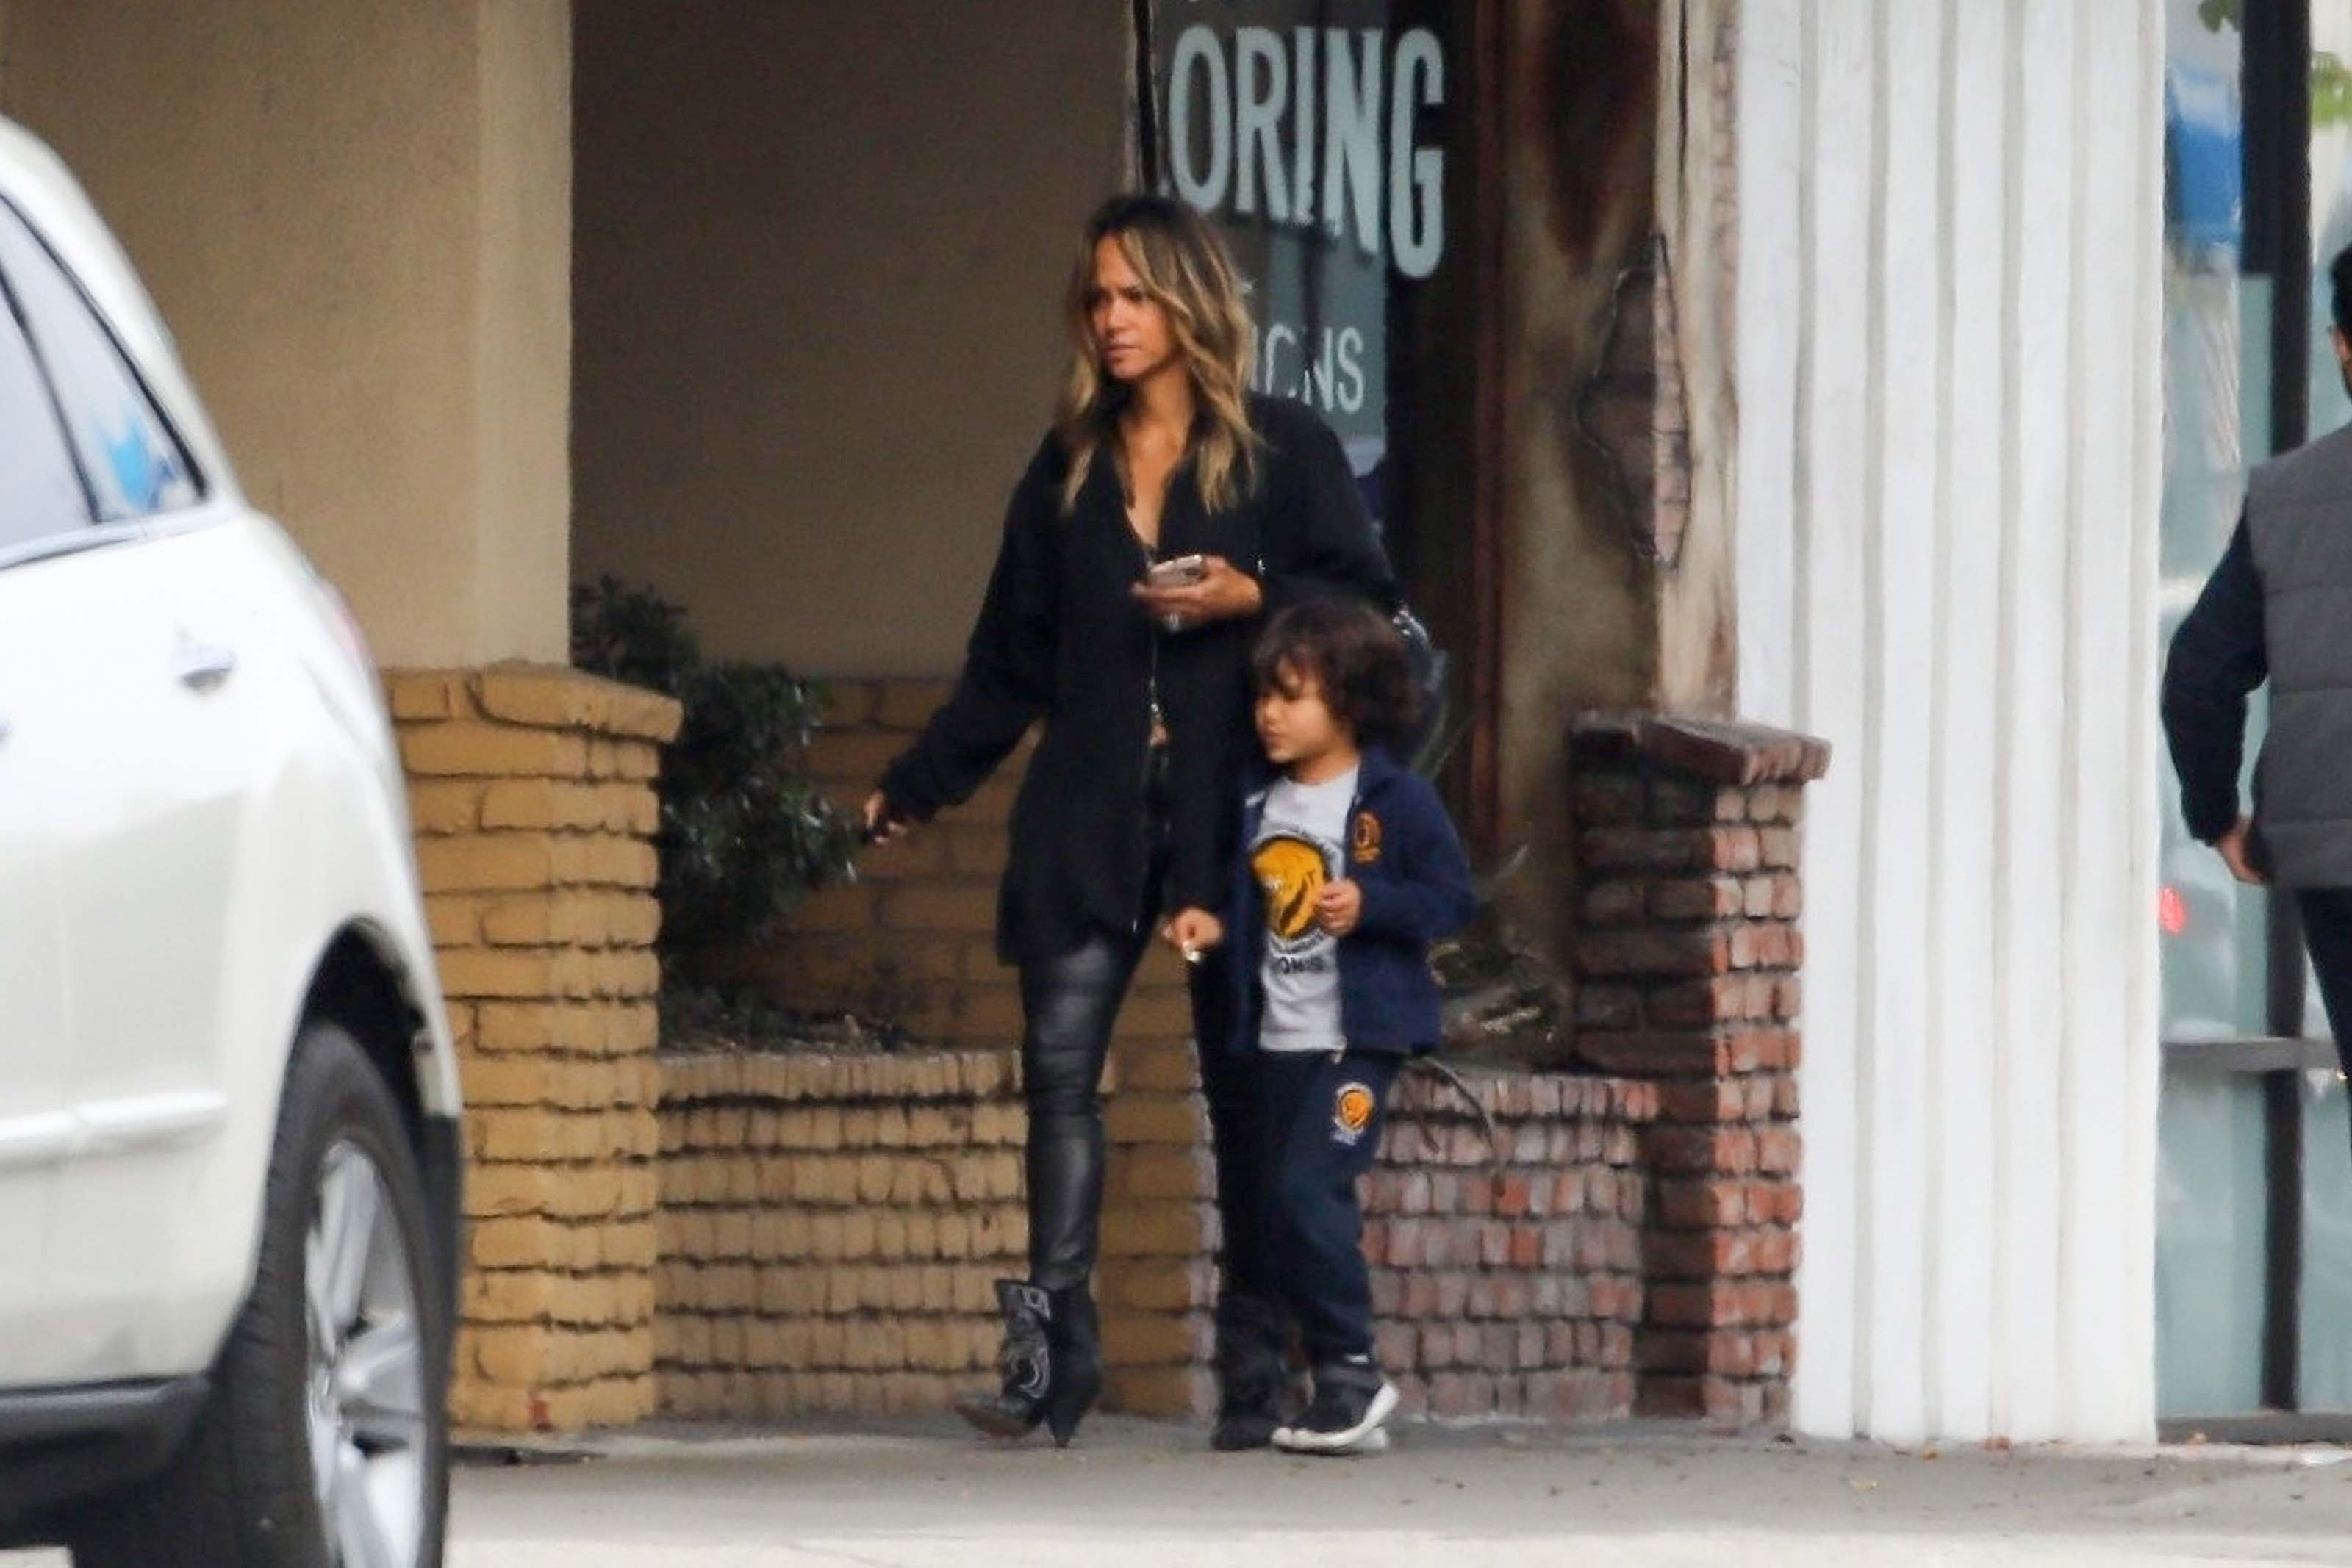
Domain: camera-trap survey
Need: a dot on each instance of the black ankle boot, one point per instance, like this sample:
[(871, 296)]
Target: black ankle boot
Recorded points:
[(1253, 1372), (1026, 1361), (1076, 1334)]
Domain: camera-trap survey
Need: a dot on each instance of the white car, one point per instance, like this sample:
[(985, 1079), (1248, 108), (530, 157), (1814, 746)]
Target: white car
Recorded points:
[(228, 1099)]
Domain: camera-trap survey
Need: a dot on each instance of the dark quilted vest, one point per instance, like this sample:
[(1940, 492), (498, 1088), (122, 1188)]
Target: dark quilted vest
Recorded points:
[(2299, 519)]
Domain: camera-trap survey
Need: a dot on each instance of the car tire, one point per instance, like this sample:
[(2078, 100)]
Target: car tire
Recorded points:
[(312, 1428)]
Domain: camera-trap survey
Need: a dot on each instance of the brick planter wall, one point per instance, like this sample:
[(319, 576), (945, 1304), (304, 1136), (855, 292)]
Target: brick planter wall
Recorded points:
[(913, 943), (832, 1229), (531, 791), (831, 1225), (1507, 1256), (1686, 964)]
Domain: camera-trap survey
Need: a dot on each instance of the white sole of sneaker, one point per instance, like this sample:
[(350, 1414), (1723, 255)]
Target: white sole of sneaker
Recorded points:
[(1366, 1437), (1375, 1441)]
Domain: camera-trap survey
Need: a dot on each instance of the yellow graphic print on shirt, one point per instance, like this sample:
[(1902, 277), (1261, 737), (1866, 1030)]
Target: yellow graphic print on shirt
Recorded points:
[(1290, 871)]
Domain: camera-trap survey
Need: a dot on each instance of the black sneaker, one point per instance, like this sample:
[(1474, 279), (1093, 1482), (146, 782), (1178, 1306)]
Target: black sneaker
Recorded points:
[(1253, 1375), (1352, 1400)]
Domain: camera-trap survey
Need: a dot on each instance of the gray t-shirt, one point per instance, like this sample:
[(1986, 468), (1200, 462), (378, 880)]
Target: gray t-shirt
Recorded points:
[(1298, 852)]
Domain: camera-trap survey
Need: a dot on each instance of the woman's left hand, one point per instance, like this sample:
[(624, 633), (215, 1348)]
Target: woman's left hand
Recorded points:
[(1224, 593)]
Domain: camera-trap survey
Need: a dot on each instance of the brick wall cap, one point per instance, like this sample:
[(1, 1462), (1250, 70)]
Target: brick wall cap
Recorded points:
[(696, 1075), (545, 696), (1721, 751)]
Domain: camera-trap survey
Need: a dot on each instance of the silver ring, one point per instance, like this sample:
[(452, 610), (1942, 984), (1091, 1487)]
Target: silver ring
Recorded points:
[(1171, 623)]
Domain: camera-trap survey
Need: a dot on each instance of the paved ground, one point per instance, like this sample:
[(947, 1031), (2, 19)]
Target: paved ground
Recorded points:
[(1140, 1495)]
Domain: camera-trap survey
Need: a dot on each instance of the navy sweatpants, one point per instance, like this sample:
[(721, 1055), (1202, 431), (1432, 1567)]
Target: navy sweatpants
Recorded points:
[(1323, 1119)]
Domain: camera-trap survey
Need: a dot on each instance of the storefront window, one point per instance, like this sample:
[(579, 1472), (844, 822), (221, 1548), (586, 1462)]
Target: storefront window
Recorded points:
[(2325, 1359), (1312, 132), (2210, 1262), (2216, 332), (2254, 1209)]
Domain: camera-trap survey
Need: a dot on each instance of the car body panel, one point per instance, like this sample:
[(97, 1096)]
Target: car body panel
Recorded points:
[(199, 773)]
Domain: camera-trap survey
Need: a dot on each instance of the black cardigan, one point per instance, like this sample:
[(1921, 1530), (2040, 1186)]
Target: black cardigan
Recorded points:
[(1060, 638)]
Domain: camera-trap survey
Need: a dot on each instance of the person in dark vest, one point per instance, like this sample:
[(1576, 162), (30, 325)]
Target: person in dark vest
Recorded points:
[(1164, 517), (2279, 608)]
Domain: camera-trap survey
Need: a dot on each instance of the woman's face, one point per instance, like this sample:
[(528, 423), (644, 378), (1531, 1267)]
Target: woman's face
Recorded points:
[(1131, 334)]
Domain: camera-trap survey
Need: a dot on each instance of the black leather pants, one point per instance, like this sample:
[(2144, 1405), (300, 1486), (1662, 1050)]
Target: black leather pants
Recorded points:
[(1071, 1003)]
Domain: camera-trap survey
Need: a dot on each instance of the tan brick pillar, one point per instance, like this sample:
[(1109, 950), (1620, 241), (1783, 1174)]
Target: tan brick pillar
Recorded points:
[(532, 791)]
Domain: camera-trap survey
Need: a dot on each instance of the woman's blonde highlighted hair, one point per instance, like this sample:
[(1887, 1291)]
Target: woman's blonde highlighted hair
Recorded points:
[(1186, 270)]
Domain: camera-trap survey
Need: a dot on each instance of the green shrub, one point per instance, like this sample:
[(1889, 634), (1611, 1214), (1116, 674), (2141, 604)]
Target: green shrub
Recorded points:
[(745, 831)]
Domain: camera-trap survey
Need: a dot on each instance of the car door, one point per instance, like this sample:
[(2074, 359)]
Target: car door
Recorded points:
[(151, 767), (43, 510)]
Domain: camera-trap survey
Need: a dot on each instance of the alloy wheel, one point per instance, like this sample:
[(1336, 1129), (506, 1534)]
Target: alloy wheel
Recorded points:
[(365, 1384)]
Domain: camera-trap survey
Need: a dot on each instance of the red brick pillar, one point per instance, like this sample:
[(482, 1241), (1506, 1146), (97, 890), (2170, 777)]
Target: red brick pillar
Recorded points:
[(1686, 963)]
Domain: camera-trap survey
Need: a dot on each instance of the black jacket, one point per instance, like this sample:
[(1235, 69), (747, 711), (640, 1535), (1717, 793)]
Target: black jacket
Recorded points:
[(2217, 657), (1060, 638)]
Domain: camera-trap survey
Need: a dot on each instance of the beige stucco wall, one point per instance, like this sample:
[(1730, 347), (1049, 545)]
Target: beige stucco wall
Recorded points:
[(356, 217), (819, 252)]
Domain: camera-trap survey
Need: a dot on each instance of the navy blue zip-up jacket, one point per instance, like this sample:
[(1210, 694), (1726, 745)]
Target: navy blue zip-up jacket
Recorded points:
[(1404, 855)]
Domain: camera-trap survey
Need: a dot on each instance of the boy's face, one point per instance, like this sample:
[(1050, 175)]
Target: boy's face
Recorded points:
[(1294, 723)]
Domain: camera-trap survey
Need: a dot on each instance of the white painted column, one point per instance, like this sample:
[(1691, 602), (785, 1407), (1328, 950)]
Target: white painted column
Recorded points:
[(1948, 485), (1962, 932), (1828, 659)]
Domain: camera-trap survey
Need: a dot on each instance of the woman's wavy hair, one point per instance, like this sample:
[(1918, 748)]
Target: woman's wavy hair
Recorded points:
[(1185, 267)]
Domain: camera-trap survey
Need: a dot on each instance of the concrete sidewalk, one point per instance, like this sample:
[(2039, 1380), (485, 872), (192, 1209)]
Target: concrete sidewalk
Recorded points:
[(1137, 1494)]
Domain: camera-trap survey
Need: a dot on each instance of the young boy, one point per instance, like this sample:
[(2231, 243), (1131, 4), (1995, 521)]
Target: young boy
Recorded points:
[(1348, 870)]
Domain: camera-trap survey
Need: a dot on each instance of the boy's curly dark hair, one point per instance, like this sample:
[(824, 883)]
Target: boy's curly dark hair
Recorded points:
[(1355, 657)]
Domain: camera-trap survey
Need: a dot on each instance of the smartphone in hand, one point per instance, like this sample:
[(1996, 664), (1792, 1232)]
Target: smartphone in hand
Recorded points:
[(1179, 571)]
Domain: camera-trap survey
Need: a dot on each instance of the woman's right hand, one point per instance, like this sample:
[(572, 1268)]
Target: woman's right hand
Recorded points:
[(881, 823), (1193, 932)]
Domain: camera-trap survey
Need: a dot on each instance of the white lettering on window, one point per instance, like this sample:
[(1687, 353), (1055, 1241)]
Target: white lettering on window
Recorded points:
[(1417, 183), (1276, 336), (1350, 397), (1302, 141), (1199, 47), (1351, 137), (1262, 75), (1314, 132)]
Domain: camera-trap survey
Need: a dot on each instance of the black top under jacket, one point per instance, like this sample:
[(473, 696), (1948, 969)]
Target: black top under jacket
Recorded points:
[(1061, 639)]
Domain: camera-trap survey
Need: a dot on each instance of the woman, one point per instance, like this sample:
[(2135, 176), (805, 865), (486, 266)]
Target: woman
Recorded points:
[(1131, 802)]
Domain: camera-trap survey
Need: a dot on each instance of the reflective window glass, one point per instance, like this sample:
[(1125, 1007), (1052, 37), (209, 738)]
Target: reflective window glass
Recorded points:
[(40, 494), (133, 463)]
